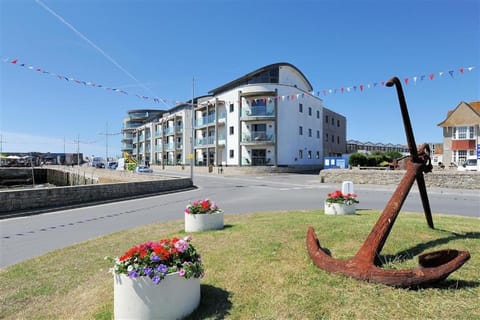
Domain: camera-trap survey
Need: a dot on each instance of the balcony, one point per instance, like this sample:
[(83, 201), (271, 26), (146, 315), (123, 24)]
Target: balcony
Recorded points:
[(169, 130), (258, 112), (138, 115), (159, 148), (203, 121), (205, 141), (170, 146), (257, 137)]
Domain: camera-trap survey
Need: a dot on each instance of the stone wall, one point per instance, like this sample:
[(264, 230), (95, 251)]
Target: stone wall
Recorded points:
[(437, 178), (47, 198)]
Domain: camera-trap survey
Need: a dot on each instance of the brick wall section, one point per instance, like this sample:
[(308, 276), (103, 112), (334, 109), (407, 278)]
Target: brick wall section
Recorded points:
[(441, 179), (45, 198)]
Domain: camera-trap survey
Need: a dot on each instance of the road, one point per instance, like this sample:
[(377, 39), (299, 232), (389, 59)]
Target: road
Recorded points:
[(26, 237)]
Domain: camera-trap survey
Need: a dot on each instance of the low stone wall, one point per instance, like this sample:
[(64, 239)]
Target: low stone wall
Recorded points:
[(441, 179), (47, 198)]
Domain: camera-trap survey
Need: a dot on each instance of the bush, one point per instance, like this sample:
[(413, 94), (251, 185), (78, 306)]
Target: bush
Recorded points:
[(357, 159)]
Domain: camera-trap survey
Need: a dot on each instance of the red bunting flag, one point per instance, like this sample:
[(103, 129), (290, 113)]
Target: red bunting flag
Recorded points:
[(431, 76), (406, 81)]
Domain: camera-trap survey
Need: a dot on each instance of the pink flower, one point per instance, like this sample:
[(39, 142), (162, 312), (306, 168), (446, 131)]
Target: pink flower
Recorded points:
[(181, 273)]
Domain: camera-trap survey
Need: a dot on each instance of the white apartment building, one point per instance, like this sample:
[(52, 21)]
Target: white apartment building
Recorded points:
[(265, 118)]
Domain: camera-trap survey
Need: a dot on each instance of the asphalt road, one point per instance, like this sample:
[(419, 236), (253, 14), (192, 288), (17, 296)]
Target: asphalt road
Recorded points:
[(26, 237)]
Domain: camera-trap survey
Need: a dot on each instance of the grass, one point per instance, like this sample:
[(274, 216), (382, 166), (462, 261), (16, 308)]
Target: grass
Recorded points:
[(258, 268)]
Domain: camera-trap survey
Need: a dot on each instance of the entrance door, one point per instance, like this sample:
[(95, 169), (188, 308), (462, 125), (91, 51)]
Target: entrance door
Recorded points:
[(259, 157)]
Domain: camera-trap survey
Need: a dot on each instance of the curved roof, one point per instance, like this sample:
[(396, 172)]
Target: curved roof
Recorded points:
[(276, 66)]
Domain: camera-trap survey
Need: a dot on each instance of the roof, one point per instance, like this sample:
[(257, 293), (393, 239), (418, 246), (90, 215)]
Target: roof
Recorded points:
[(462, 119), (240, 81)]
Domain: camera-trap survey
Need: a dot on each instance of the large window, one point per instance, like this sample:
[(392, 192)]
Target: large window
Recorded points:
[(459, 156), (461, 133)]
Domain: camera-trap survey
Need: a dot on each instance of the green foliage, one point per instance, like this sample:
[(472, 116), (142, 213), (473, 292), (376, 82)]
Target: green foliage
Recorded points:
[(392, 155), (357, 159)]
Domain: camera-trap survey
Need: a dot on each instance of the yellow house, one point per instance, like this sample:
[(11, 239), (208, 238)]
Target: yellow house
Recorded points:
[(461, 133)]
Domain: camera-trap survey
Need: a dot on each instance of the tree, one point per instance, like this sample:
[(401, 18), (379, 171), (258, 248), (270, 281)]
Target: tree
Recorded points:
[(357, 159)]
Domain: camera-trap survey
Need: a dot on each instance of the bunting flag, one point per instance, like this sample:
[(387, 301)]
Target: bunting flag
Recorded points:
[(292, 97), (81, 82), (406, 80)]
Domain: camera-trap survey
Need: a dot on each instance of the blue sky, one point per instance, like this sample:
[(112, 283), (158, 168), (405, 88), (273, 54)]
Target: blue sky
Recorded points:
[(155, 48)]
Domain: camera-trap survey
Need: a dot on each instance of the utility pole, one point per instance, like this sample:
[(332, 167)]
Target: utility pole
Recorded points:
[(106, 134)]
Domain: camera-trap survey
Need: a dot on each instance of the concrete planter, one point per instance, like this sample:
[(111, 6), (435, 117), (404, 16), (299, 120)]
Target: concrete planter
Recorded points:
[(173, 298), (339, 208), (203, 222)]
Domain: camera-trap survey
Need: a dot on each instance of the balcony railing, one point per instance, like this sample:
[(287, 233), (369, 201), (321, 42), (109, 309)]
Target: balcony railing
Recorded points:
[(170, 146), (159, 148), (169, 130), (258, 137), (205, 141), (205, 120), (258, 111)]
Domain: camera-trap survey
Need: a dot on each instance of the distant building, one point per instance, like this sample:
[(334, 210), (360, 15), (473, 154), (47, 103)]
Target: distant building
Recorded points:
[(461, 136), (369, 147), (135, 119), (265, 118), (334, 133)]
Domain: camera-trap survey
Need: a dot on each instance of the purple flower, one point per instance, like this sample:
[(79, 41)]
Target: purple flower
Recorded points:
[(148, 271), (133, 274), (181, 273), (155, 258), (156, 280), (162, 269)]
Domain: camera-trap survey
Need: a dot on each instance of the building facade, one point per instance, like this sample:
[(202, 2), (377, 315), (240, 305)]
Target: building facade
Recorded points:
[(334, 133), (265, 118), (461, 136)]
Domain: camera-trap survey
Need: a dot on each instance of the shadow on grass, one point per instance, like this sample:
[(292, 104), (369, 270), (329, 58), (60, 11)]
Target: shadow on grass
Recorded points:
[(421, 247), (214, 303)]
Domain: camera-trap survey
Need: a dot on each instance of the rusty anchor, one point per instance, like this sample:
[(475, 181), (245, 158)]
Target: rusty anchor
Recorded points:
[(433, 266)]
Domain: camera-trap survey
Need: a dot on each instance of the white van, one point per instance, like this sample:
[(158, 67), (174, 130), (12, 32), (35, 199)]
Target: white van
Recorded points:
[(469, 165)]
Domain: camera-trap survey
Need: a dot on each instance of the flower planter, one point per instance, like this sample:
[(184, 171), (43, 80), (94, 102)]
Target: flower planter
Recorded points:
[(173, 298), (339, 208), (203, 222)]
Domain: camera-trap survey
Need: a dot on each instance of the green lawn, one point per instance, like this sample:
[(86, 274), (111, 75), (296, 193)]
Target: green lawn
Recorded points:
[(258, 268)]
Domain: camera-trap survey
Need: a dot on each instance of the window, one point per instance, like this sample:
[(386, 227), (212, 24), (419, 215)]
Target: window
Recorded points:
[(326, 137), (309, 154), (317, 155), (318, 134), (300, 130), (309, 132), (460, 133), (300, 154), (231, 107), (231, 153), (338, 123), (333, 121), (318, 114), (231, 130), (309, 111), (300, 107), (326, 119), (333, 138), (338, 139)]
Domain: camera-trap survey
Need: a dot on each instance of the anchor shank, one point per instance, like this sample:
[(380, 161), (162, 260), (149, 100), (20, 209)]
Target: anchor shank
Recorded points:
[(376, 239)]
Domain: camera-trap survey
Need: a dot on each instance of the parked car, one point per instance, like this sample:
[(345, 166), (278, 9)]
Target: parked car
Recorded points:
[(468, 165), (112, 165), (143, 169)]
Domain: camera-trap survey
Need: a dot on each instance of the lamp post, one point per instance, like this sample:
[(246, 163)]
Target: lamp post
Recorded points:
[(192, 135)]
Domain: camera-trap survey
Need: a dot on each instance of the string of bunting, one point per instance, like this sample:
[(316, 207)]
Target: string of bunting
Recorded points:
[(319, 93)]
